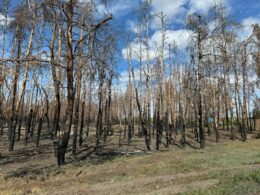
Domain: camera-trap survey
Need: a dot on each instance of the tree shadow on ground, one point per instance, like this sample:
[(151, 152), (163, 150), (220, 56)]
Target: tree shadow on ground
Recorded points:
[(22, 155), (32, 172), (192, 146)]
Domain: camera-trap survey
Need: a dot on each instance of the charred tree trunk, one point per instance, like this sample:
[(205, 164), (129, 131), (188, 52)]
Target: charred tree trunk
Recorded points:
[(28, 126), (70, 97), (78, 94), (12, 122)]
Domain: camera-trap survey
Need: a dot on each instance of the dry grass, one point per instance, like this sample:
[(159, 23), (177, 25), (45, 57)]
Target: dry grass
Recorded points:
[(224, 168)]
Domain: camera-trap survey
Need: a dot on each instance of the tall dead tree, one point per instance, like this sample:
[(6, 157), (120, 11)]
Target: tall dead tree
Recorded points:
[(198, 24), (69, 12)]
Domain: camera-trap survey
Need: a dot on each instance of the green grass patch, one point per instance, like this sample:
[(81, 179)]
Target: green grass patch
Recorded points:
[(231, 182)]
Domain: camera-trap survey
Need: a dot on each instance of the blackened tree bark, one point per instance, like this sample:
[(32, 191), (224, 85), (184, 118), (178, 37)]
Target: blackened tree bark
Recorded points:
[(69, 10)]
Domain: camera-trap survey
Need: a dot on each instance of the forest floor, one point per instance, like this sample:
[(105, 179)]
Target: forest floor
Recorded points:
[(229, 167)]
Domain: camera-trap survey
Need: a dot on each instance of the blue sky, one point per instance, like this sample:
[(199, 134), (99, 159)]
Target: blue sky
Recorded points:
[(176, 10), (125, 16), (247, 12), (125, 19)]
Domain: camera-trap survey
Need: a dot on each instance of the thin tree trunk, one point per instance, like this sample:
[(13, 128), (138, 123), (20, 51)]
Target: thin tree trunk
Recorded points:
[(78, 93), (70, 97)]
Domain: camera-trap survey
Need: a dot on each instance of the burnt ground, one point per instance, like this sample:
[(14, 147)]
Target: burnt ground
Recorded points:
[(125, 169)]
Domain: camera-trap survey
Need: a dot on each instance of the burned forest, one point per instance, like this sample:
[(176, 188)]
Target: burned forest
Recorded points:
[(80, 85)]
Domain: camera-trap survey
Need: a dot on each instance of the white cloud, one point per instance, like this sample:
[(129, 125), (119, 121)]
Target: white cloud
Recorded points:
[(169, 8), (2, 19), (177, 10), (180, 37), (133, 26), (122, 7), (101, 9), (204, 5), (124, 76), (117, 7), (135, 45), (247, 28)]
